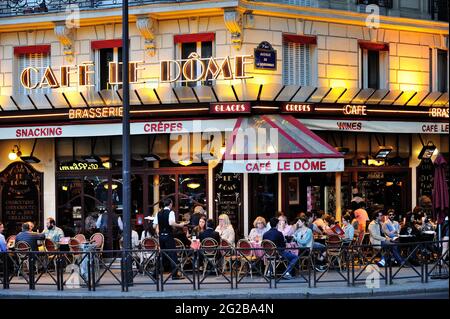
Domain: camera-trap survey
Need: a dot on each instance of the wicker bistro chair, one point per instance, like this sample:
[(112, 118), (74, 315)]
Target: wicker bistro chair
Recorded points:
[(182, 256), (11, 241), (50, 246), (246, 256), (76, 250), (22, 247), (209, 248), (227, 253), (99, 240), (81, 238), (272, 257), (148, 257), (334, 251)]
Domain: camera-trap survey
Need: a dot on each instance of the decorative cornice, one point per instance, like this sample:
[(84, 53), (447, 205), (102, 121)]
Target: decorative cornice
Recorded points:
[(233, 22), (147, 27), (65, 37)]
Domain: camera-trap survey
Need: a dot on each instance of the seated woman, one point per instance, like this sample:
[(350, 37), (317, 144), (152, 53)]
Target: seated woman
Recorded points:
[(225, 229), (256, 234), (200, 227), (349, 230), (303, 235), (284, 227)]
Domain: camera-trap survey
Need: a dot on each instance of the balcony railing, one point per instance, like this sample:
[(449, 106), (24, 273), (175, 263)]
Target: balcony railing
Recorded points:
[(435, 9), (28, 7)]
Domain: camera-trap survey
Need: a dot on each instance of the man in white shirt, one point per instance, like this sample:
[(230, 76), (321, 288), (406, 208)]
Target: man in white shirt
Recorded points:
[(163, 223)]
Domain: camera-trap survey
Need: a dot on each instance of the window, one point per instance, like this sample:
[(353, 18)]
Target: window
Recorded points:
[(374, 69), (442, 67), (203, 49), (38, 60), (102, 58), (296, 64)]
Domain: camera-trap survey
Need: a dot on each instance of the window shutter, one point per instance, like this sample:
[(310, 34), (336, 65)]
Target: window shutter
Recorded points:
[(296, 64), (37, 60)]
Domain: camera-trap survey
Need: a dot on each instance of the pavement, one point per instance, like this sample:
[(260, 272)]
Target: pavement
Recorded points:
[(400, 289)]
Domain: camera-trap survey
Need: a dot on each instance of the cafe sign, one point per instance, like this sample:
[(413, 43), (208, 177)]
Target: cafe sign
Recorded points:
[(192, 69)]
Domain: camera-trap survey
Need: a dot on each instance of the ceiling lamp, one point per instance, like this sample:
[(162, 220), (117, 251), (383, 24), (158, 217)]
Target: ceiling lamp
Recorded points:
[(113, 187), (427, 150), (15, 153), (151, 156), (193, 185), (185, 162), (31, 159), (383, 152), (343, 150), (92, 159)]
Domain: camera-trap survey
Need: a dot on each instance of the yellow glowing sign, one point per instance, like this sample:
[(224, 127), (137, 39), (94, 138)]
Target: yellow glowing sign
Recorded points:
[(192, 69)]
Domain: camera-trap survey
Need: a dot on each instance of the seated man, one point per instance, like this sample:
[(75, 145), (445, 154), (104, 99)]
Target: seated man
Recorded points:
[(52, 232), (277, 238), (209, 232), (29, 237), (379, 240)]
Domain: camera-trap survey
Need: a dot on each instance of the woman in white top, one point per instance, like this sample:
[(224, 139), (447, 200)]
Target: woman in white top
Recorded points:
[(256, 234), (284, 227), (225, 229)]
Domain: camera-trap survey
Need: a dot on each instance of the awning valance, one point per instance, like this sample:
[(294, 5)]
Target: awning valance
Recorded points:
[(278, 143)]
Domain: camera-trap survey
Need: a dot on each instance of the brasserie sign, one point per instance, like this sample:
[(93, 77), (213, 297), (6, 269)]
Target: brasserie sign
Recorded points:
[(192, 69)]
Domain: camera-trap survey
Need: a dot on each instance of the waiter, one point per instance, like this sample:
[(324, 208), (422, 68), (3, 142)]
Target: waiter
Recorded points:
[(163, 223)]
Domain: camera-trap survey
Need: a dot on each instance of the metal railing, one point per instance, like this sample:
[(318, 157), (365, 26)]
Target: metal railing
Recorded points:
[(228, 267), (27, 7)]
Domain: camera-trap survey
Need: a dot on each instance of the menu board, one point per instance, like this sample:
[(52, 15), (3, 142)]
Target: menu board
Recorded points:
[(20, 196), (228, 197), (425, 177)]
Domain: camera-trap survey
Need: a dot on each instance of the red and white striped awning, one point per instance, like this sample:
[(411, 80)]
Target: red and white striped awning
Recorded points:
[(278, 143)]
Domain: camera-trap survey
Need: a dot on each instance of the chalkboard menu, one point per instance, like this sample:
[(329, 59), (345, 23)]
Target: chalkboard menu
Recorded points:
[(425, 176), (228, 197), (20, 196)]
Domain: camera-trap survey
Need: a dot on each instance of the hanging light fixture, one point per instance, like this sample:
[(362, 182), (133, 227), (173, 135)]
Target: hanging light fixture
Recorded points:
[(185, 162), (15, 153), (193, 185), (31, 159), (427, 150)]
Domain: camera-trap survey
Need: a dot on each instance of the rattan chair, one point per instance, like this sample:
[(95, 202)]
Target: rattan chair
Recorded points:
[(227, 253), (150, 246), (209, 249), (334, 251), (22, 248), (81, 238), (246, 256), (272, 257)]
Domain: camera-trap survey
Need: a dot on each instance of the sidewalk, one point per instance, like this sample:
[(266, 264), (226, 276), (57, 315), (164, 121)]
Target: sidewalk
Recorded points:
[(297, 292)]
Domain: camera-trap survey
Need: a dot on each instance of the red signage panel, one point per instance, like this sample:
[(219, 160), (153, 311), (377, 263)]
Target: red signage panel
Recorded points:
[(232, 107)]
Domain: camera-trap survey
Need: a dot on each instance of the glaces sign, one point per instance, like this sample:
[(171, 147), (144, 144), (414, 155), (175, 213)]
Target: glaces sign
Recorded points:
[(192, 69)]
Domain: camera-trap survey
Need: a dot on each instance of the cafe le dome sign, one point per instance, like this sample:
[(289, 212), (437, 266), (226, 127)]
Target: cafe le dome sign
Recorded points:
[(192, 69)]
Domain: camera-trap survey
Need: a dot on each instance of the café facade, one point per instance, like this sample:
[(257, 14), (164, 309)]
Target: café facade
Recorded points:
[(237, 107)]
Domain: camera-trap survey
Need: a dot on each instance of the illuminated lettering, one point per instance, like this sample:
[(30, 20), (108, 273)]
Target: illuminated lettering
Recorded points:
[(25, 78), (49, 79)]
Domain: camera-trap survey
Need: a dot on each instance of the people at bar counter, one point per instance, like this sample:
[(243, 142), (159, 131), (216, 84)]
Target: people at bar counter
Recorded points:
[(378, 239), (225, 229), (29, 236), (258, 230), (3, 245), (52, 231), (278, 239)]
